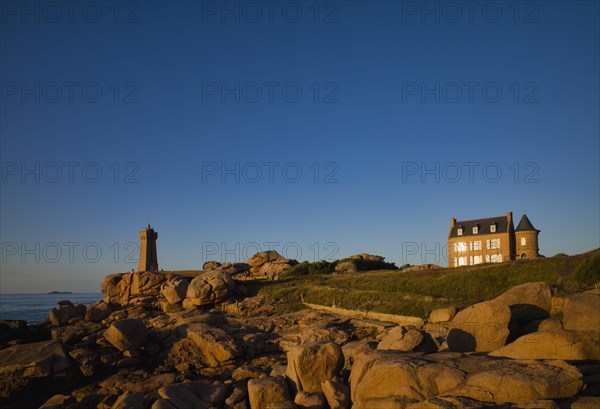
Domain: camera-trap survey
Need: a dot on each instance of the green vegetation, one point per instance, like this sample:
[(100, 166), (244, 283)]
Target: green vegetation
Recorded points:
[(323, 267), (305, 268), (369, 265), (417, 293), (588, 271)]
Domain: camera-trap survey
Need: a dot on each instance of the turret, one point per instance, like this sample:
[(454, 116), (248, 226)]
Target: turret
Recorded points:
[(526, 239)]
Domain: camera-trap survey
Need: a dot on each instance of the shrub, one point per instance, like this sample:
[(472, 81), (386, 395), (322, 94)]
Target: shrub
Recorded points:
[(588, 271), (367, 265), (305, 268)]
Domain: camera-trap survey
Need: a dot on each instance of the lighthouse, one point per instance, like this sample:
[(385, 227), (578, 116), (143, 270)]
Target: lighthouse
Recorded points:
[(148, 259)]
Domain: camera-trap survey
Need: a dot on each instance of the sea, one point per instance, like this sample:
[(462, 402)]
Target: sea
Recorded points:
[(34, 308)]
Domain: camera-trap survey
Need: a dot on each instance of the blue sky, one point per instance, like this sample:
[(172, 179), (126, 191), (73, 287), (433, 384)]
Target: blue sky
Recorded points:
[(387, 100)]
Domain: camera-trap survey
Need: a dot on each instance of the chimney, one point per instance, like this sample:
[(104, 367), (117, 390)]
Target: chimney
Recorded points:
[(452, 222), (509, 216)]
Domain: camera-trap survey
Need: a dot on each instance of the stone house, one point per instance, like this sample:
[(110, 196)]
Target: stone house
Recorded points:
[(491, 240)]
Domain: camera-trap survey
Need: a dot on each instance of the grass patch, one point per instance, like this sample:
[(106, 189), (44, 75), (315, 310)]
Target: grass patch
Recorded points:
[(417, 293), (588, 272)]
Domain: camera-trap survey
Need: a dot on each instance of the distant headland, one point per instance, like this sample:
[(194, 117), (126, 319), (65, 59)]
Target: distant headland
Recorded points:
[(60, 292)]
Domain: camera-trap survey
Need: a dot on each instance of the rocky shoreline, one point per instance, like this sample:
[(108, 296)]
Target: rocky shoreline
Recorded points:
[(161, 340)]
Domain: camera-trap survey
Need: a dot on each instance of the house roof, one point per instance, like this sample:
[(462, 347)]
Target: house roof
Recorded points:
[(525, 225), (484, 225)]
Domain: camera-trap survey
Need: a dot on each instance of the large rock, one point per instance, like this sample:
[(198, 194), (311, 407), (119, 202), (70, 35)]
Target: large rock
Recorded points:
[(481, 327), (211, 265), (175, 290), (195, 394), (455, 402), (306, 400), (313, 363), (146, 283), (67, 313), (98, 311), (58, 402), (269, 263), (235, 268), (216, 346), (336, 393), (407, 339), (110, 287), (121, 288), (382, 379), (442, 315), (346, 267), (582, 312), (554, 344), (273, 268), (585, 402), (353, 348), (378, 375), (12, 329), (266, 393), (130, 333), (124, 289), (369, 257), (34, 370), (261, 258), (527, 381), (129, 400), (528, 301), (210, 287), (539, 325)]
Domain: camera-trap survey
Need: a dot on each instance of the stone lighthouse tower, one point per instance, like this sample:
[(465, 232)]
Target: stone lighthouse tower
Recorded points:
[(526, 239), (148, 258)]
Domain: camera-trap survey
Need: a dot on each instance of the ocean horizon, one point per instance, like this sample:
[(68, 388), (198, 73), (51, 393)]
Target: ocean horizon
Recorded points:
[(35, 307)]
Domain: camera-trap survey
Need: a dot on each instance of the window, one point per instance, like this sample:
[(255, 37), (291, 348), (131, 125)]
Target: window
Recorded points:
[(492, 244), (475, 245), (460, 246), (475, 229), (494, 258), (475, 260), (459, 232), (493, 228), (523, 241), (462, 261)]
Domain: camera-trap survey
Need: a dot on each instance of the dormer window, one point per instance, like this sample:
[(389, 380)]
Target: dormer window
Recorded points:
[(475, 229), (459, 231), (493, 228)]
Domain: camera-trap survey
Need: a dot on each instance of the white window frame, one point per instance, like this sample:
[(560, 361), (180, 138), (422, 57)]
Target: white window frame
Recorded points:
[(523, 241), (460, 247), (459, 231), (493, 228), (492, 244), (496, 258), (475, 229)]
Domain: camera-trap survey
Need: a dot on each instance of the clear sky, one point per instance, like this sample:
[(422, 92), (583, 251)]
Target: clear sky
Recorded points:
[(323, 128)]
